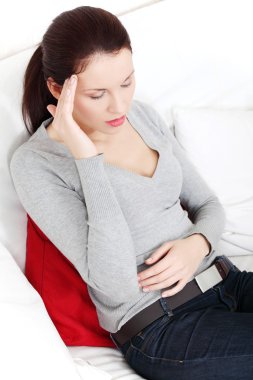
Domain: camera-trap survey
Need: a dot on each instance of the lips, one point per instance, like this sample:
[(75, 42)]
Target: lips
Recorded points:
[(112, 121), (116, 122)]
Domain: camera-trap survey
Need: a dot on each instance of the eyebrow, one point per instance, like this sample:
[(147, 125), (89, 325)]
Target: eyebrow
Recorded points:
[(103, 89)]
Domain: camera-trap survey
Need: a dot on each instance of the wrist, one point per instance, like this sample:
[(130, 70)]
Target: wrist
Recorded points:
[(81, 146), (204, 243)]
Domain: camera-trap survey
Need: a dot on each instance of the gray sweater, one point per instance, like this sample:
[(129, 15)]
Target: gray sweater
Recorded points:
[(107, 220)]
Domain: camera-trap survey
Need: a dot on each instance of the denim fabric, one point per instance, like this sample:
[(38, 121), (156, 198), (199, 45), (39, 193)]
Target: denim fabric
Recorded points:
[(209, 337)]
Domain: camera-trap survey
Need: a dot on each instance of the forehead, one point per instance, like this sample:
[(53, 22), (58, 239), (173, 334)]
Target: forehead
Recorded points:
[(105, 69)]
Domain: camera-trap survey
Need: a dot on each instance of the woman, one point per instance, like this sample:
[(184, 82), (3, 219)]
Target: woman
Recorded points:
[(109, 185)]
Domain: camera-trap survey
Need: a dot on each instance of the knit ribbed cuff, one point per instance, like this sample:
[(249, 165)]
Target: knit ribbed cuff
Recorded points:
[(99, 196)]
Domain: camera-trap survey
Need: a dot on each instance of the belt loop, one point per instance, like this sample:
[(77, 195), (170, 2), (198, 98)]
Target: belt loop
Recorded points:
[(223, 264), (166, 307)]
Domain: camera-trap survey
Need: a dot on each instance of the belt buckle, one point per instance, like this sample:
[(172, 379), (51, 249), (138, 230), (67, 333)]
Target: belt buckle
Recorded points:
[(208, 278)]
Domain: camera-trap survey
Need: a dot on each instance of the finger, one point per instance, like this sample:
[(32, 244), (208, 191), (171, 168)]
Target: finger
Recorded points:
[(63, 91), (153, 271), (172, 280), (71, 93), (68, 94), (61, 100), (65, 103), (160, 252), (51, 109), (165, 263), (66, 90), (180, 285), (161, 277)]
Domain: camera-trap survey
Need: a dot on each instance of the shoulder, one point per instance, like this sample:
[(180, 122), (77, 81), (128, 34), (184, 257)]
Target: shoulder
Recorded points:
[(30, 155), (143, 109), (24, 163), (37, 149), (25, 154), (21, 156)]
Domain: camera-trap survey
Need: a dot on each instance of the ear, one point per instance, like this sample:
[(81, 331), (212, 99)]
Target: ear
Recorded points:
[(54, 88)]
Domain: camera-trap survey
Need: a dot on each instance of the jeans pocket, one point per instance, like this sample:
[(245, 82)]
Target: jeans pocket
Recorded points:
[(227, 289), (227, 298), (148, 332)]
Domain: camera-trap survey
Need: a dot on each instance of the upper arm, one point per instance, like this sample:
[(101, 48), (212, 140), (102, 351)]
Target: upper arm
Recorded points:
[(51, 203)]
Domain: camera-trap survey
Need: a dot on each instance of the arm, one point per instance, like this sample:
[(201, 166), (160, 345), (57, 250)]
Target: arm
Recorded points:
[(91, 232), (175, 262), (201, 203), (203, 206)]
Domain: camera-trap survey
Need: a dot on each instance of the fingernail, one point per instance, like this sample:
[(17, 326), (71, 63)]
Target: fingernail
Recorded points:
[(72, 79), (145, 290)]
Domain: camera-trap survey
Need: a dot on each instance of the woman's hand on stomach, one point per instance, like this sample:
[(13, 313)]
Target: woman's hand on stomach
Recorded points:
[(173, 264)]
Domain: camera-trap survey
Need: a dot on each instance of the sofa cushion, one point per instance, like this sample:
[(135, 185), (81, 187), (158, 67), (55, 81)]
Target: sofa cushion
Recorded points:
[(63, 291), (31, 347), (219, 142)]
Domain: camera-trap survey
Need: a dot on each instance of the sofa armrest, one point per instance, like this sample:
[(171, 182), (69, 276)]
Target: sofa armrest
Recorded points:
[(31, 347)]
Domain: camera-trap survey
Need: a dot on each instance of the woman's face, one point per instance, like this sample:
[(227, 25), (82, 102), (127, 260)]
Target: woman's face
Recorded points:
[(104, 92)]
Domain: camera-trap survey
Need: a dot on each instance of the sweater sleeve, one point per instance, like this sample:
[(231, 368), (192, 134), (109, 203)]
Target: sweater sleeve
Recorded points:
[(201, 203), (91, 232)]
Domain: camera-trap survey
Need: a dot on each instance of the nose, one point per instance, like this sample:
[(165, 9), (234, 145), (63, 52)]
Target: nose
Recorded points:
[(116, 105)]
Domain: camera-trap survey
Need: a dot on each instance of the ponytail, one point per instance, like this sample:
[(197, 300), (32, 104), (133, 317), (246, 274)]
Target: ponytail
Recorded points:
[(36, 95)]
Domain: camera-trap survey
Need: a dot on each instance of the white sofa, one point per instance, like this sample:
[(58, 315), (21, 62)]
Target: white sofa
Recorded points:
[(194, 64)]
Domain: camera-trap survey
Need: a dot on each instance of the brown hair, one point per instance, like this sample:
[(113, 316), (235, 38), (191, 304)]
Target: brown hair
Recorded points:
[(68, 44)]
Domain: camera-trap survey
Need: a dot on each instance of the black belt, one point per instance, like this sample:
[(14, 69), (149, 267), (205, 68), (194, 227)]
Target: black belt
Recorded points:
[(201, 283)]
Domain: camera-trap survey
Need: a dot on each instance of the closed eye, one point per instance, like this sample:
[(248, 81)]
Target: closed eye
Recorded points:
[(100, 96), (97, 97)]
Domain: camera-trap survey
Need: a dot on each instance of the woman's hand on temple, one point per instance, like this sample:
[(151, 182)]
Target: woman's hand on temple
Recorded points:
[(65, 126), (173, 264)]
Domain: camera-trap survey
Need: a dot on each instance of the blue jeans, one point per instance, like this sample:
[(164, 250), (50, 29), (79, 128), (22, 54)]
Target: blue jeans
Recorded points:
[(210, 337)]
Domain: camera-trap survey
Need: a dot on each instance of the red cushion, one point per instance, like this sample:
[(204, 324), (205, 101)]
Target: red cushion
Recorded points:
[(63, 291)]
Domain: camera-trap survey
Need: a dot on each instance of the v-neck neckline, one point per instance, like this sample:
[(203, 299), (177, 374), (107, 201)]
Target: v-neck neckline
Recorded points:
[(137, 127), (132, 173)]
